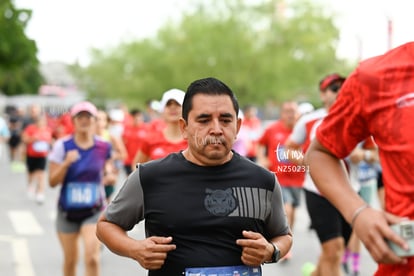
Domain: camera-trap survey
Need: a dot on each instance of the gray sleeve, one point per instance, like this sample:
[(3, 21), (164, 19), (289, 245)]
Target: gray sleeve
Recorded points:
[(127, 208), (276, 222)]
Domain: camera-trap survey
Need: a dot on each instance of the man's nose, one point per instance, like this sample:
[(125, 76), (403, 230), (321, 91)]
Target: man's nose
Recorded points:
[(216, 126)]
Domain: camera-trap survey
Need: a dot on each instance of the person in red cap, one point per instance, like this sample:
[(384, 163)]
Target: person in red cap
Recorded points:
[(333, 82), (331, 228), (377, 99), (76, 164)]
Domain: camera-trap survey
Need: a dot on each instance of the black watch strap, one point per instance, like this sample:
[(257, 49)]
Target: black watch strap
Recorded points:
[(275, 255)]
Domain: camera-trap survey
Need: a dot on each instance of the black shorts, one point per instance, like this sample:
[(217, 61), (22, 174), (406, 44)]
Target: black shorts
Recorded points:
[(380, 184), (14, 141), (326, 219), (35, 163)]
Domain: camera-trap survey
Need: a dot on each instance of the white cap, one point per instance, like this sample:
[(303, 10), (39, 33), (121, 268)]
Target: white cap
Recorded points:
[(305, 108), (172, 94), (116, 115)]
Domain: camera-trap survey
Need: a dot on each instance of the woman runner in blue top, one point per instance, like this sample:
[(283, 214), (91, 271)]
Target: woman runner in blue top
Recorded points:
[(77, 163)]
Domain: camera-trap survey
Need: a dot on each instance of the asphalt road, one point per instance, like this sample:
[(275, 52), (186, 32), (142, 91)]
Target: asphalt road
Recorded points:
[(29, 245)]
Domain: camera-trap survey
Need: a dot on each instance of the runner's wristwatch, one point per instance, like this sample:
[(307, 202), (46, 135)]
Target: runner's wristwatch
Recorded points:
[(275, 255)]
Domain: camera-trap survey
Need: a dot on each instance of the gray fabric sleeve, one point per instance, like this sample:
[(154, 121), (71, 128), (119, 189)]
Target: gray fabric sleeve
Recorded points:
[(127, 208), (276, 223)]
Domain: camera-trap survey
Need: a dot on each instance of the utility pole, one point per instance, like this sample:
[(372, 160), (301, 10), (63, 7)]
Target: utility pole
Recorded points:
[(389, 33)]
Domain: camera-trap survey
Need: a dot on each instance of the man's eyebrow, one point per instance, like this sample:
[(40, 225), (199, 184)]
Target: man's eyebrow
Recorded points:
[(222, 115), (203, 116), (226, 115)]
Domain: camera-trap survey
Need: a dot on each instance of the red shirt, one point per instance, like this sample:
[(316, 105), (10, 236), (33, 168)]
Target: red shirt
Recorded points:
[(155, 146), (128, 120), (273, 139), (369, 143), (133, 137), (378, 99), (41, 146), (157, 124), (64, 126)]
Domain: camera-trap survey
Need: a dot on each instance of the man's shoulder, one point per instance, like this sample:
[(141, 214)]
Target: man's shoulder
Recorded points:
[(171, 159), (401, 55), (250, 166)]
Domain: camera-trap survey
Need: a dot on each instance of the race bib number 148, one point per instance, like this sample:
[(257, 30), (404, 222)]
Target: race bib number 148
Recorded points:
[(82, 194)]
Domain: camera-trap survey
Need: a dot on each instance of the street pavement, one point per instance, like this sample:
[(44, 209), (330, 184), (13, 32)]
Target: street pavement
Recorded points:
[(29, 244)]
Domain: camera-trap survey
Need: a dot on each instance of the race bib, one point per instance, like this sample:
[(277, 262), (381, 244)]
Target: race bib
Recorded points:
[(240, 270), (40, 146), (81, 195)]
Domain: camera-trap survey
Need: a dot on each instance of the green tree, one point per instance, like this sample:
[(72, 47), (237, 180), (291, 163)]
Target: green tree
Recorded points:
[(263, 51), (19, 66)]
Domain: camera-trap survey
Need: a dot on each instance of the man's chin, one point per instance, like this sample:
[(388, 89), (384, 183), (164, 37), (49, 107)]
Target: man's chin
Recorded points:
[(217, 153), (216, 148)]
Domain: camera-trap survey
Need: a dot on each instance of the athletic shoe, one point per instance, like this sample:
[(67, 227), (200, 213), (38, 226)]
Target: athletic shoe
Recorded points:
[(40, 198), (31, 192), (308, 268), (18, 167)]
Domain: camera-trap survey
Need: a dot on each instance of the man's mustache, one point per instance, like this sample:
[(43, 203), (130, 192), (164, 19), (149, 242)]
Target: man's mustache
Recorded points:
[(214, 141)]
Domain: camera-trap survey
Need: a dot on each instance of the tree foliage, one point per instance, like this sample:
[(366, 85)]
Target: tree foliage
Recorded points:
[(19, 72), (264, 52)]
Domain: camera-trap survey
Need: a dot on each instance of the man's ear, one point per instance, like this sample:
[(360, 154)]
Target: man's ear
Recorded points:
[(239, 123), (183, 128)]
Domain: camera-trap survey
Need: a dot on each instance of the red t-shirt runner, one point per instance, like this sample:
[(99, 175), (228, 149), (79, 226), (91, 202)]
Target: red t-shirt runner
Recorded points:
[(378, 99), (274, 137), (43, 139)]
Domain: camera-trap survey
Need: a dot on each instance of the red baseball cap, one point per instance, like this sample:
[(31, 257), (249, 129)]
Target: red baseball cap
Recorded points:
[(329, 79)]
